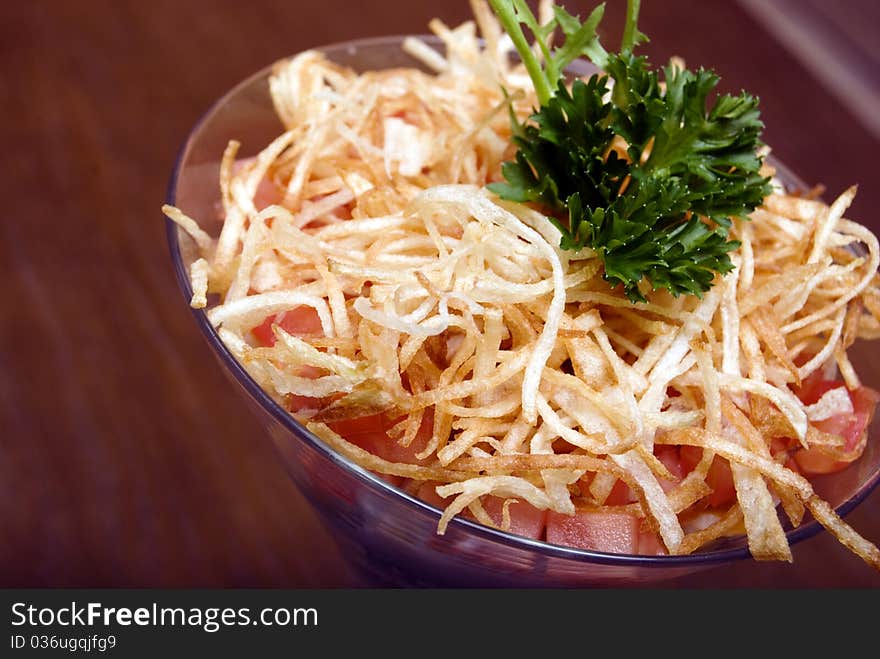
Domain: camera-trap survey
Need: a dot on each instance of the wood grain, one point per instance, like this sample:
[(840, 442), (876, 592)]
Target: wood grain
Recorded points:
[(126, 458)]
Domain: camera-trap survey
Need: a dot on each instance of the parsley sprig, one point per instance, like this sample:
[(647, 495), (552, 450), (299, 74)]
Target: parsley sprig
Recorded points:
[(646, 173)]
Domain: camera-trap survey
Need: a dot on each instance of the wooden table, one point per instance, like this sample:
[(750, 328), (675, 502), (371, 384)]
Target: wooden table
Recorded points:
[(126, 459)]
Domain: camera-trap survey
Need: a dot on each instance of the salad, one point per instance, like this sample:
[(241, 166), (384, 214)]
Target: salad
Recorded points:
[(575, 306)]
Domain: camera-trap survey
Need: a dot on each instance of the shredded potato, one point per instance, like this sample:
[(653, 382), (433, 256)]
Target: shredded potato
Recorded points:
[(458, 316)]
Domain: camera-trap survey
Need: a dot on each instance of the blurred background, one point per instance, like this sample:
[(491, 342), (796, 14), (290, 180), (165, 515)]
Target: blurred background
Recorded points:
[(126, 458)]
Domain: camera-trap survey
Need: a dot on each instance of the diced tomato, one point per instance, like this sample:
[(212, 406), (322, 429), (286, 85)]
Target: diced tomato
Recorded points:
[(785, 445), (616, 533), (396, 481), (620, 495), (367, 432), (781, 444), (690, 457), (371, 434), (525, 519), (650, 544), (394, 452), (299, 321), (297, 403), (815, 386), (849, 426), (427, 492), (267, 192), (719, 477), (812, 462), (671, 459), (865, 401)]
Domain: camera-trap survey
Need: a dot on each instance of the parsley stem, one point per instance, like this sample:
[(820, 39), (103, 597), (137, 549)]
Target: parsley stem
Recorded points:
[(507, 15), (630, 31)]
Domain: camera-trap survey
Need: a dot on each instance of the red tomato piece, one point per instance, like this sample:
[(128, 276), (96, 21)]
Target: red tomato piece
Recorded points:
[(620, 495), (371, 434), (719, 477), (396, 481), (690, 457), (851, 427), (367, 432), (299, 321), (427, 492), (394, 452), (525, 519), (812, 462), (616, 533), (815, 386), (650, 544), (781, 444), (785, 445), (671, 459), (297, 403), (267, 192)]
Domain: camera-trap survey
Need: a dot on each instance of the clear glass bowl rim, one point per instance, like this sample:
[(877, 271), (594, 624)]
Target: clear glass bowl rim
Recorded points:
[(370, 480)]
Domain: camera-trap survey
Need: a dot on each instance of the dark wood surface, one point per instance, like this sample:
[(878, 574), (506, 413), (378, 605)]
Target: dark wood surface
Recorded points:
[(126, 458)]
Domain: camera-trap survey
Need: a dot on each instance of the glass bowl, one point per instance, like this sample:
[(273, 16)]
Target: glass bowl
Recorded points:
[(387, 536)]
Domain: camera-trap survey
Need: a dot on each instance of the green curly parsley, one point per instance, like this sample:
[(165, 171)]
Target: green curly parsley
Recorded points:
[(662, 212)]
